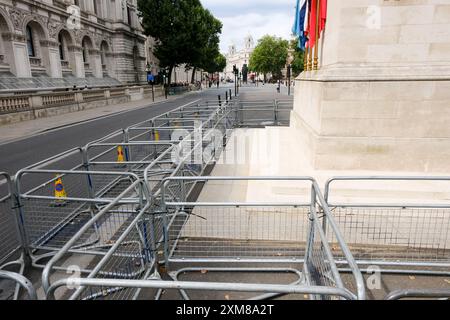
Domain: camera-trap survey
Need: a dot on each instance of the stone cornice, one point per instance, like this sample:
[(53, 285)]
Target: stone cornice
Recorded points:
[(73, 48), (49, 43), (11, 36), (21, 14), (378, 72), (94, 51)]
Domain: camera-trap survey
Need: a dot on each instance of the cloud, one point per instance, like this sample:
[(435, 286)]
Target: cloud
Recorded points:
[(257, 17)]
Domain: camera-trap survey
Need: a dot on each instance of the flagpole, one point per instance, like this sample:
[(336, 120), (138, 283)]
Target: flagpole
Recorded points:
[(305, 60), (316, 49), (309, 66)]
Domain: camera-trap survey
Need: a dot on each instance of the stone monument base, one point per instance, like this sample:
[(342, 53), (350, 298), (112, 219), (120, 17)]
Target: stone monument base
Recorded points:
[(359, 118)]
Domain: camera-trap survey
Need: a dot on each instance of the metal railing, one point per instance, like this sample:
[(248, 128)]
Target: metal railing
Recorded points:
[(400, 237), (131, 248), (442, 294), (122, 217), (49, 220), (21, 282), (234, 233), (258, 113), (11, 249)]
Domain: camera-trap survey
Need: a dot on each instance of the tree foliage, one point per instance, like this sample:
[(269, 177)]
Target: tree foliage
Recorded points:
[(216, 64), (184, 32), (269, 55), (298, 62), (207, 44)]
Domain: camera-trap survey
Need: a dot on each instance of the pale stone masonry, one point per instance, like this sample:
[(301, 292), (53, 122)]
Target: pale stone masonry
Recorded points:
[(238, 58), (381, 99), (37, 43)]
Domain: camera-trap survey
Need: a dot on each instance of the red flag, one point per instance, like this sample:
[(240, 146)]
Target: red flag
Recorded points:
[(313, 20)]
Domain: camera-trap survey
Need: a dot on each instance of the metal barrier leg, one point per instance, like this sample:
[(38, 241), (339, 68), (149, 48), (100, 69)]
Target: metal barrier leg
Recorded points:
[(21, 281)]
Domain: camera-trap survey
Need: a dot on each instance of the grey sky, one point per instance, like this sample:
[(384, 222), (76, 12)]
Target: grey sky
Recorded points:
[(257, 17)]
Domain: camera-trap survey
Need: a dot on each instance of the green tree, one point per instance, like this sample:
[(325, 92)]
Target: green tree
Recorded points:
[(183, 30), (269, 56), (298, 62), (217, 64), (206, 42)]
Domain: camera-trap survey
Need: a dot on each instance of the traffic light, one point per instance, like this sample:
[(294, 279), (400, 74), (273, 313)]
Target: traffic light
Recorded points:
[(235, 70)]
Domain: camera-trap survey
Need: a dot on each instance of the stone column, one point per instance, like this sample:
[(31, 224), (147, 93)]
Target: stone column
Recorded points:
[(110, 64), (51, 59), (77, 62), (17, 54), (119, 11), (95, 63)]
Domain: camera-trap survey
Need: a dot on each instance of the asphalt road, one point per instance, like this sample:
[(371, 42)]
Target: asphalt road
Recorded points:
[(19, 154)]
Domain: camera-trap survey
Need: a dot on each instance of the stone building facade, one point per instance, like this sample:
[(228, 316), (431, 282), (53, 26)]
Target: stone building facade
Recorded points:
[(381, 97), (62, 43), (238, 58)]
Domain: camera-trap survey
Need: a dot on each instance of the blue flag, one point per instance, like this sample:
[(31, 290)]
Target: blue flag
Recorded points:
[(301, 22), (296, 27)]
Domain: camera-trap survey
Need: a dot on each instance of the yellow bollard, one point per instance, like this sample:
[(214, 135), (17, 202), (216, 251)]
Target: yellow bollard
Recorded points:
[(60, 192), (120, 155)]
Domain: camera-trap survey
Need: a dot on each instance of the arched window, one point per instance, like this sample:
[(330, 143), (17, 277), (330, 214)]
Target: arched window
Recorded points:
[(30, 44), (130, 21), (85, 54), (3, 29), (104, 50), (61, 46)]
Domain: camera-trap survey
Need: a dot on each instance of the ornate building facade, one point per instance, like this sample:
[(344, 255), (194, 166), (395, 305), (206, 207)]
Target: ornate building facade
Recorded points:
[(238, 58), (66, 43)]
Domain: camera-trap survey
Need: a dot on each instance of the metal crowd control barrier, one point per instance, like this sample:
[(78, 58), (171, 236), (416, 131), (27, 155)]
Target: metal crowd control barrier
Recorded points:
[(193, 161), (21, 281), (131, 248), (159, 168), (401, 237), (213, 232), (320, 277), (138, 285), (11, 249), (53, 211), (258, 113), (136, 156), (442, 294)]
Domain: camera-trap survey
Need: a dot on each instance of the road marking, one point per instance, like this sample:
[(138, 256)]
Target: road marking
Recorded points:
[(89, 121)]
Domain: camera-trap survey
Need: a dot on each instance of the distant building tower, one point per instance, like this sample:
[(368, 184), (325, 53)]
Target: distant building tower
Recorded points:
[(238, 58), (249, 43), (232, 50)]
